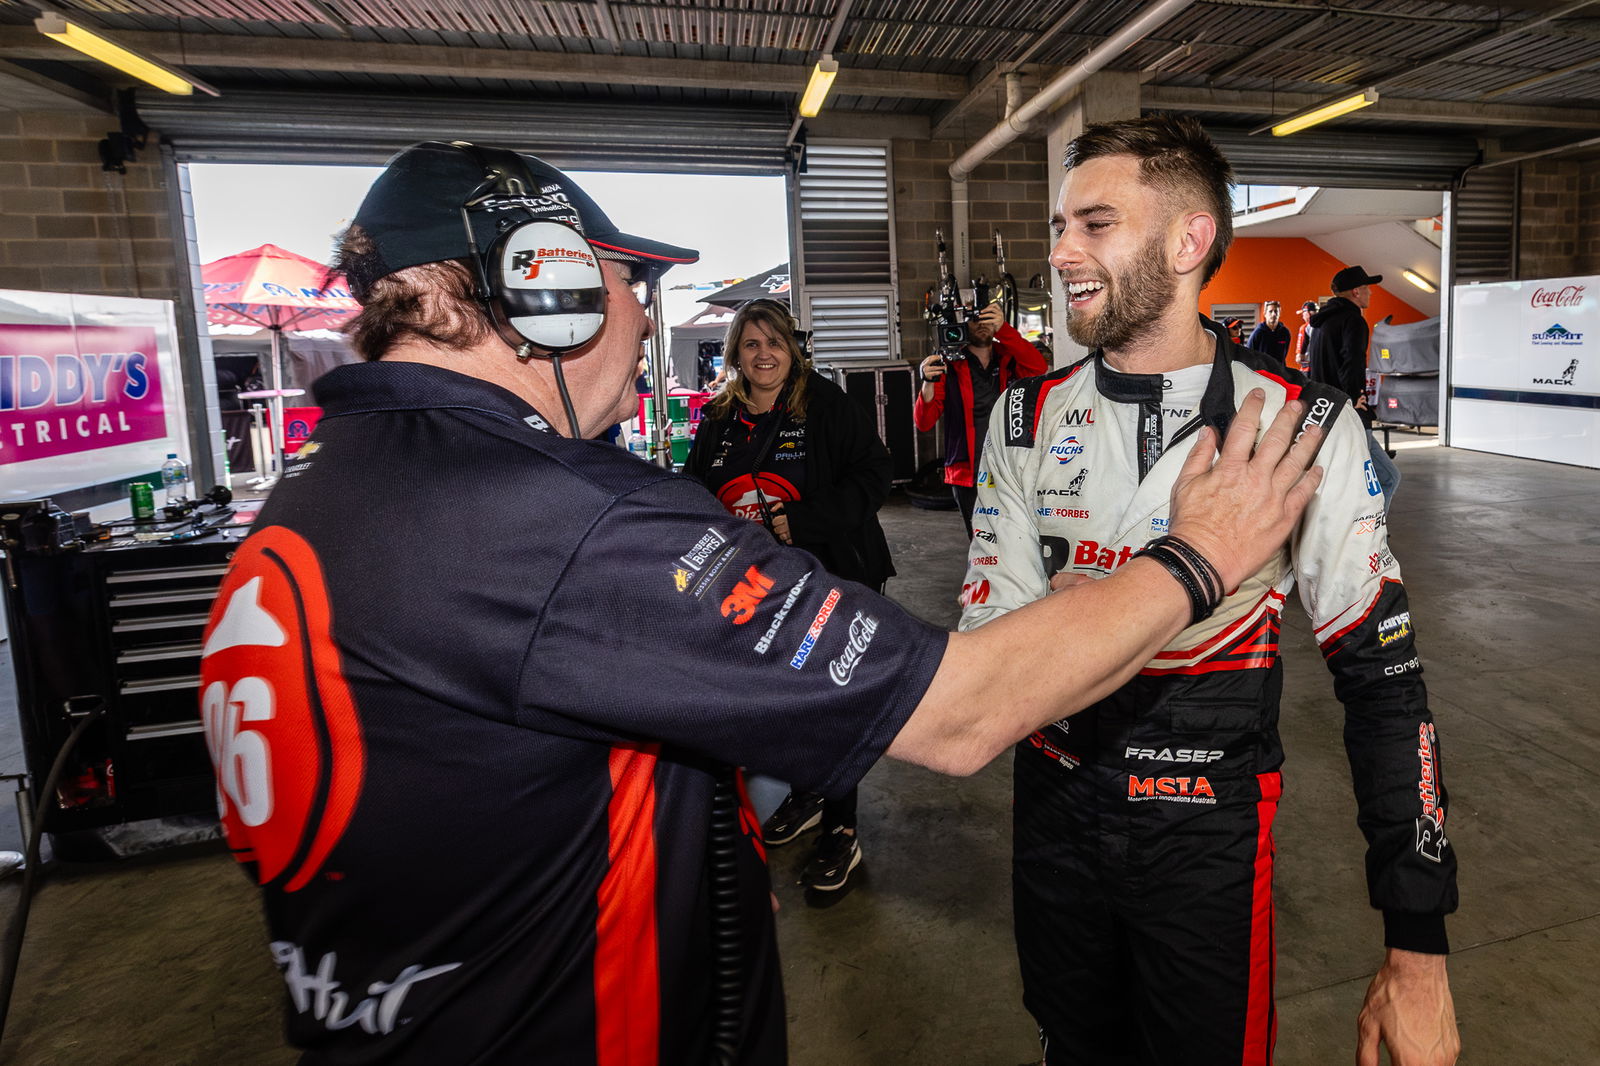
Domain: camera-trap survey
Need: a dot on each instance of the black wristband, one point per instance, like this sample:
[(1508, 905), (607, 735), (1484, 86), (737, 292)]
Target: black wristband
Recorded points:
[(1201, 566), (1199, 607)]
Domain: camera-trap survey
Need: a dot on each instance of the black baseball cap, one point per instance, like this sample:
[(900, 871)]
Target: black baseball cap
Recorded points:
[(412, 214), (1353, 277)]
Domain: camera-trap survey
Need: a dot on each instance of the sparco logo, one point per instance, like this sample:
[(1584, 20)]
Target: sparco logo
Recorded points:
[(1430, 824), (1566, 296), (1319, 415), (862, 629), (1014, 415)]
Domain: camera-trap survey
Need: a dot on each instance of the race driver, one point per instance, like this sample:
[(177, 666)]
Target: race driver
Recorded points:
[(475, 684), (1142, 846)]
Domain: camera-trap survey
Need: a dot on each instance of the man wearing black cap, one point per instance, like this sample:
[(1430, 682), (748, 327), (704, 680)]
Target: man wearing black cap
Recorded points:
[(1339, 337), (471, 685)]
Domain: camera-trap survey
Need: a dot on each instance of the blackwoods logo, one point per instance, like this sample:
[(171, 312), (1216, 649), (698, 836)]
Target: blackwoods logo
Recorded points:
[(1431, 841)]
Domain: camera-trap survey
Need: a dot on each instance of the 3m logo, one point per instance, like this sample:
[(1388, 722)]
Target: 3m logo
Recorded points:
[(975, 592), (280, 722), (741, 604)]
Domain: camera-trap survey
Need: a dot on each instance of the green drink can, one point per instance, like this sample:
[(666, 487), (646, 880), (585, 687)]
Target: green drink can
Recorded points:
[(143, 499)]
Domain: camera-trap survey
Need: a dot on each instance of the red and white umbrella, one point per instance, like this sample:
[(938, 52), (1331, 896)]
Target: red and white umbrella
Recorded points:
[(276, 289)]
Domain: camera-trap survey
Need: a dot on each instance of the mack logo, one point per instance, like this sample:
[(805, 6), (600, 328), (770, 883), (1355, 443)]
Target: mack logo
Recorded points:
[(1014, 414), (1566, 296), (1066, 449), (1430, 824), (1171, 755), (1078, 417), (1171, 789), (1074, 487), (1565, 378), (1557, 334)]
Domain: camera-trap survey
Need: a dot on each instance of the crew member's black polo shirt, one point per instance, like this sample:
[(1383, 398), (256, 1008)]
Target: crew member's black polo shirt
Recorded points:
[(468, 685)]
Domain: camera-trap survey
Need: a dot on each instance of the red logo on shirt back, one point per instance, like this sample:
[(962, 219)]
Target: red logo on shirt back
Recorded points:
[(741, 604), (279, 718)]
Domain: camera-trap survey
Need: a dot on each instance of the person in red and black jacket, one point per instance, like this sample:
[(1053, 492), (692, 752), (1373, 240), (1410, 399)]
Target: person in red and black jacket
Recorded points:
[(995, 356)]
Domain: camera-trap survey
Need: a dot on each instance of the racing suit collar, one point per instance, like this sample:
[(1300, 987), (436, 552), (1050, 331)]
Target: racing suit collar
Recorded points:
[(1216, 405)]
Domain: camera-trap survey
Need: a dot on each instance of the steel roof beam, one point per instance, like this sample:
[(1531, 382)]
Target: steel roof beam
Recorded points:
[(1263, 105), (372, 57)]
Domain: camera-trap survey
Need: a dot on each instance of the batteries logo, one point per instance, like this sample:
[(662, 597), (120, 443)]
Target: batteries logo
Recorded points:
[(1431, 841)]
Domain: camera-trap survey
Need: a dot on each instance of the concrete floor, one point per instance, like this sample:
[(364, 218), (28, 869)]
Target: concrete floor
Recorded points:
[(165, 962)]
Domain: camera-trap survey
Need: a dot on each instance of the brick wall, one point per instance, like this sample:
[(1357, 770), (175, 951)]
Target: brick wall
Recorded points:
[(1007, 193), (1588, 257), (68, 226), (1548, 241)]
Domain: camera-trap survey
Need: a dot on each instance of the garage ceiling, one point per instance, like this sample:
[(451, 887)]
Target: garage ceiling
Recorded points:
[(1522, 75)]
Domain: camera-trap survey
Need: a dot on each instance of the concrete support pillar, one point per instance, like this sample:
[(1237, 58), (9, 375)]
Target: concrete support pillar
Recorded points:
[(1104, 97)]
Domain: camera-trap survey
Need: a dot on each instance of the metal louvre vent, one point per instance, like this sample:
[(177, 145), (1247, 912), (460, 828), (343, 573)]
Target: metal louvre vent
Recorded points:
[(286, 127), (847, 215), (1484, 211), (1349, 160), (851, 322)]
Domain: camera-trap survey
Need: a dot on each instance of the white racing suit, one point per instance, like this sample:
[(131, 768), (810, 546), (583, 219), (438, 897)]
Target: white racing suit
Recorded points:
[(1143, 849)]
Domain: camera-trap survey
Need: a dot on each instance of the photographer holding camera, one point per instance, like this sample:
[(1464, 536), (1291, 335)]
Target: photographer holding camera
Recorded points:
[(968, 381)]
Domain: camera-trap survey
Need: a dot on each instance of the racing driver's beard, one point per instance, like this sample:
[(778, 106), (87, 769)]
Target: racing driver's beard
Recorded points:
[(1133, 299)]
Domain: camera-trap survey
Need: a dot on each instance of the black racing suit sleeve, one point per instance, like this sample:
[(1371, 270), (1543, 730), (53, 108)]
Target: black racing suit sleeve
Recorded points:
[(1351, 585)]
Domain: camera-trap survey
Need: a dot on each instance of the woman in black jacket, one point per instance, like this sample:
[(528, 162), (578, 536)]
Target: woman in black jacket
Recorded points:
[(784, 446)]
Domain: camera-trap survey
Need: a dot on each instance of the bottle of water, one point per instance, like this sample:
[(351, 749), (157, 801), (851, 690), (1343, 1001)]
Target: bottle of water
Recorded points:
[(639, 445), (174, 479)]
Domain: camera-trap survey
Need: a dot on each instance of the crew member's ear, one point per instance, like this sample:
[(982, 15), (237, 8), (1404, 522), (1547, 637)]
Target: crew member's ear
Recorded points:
[(1199, 232)]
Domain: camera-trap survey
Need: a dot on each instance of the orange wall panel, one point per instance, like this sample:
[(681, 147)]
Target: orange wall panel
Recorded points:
[(1290, 270)]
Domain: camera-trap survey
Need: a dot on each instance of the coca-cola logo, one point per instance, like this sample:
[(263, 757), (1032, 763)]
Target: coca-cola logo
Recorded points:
[(1566, 296)]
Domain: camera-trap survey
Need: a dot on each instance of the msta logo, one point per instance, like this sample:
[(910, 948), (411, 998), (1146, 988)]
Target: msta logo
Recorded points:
[(1066, 449)]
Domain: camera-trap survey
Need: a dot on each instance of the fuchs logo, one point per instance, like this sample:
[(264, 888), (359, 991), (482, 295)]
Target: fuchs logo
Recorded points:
[(1557, 334), (1014, 409), (1170, 789), (1565, 379), (1066, 449), (862, 629), (1430, 824), (1078, 416), (1567, 296)]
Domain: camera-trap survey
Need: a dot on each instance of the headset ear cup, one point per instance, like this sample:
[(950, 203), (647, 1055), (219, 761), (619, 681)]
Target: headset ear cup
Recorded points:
[(547, 286)]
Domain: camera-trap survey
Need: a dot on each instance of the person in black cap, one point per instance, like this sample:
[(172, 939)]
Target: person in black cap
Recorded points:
[(1339, 337), (476, 684)]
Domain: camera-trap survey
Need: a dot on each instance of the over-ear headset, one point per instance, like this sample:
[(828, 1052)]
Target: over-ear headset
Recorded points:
[(540, 283)]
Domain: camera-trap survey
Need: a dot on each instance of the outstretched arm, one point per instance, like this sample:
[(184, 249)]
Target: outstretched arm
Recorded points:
[(1058, 654)]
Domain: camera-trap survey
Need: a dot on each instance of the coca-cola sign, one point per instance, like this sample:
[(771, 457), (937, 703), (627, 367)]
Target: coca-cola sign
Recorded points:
[(1566, 296)]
